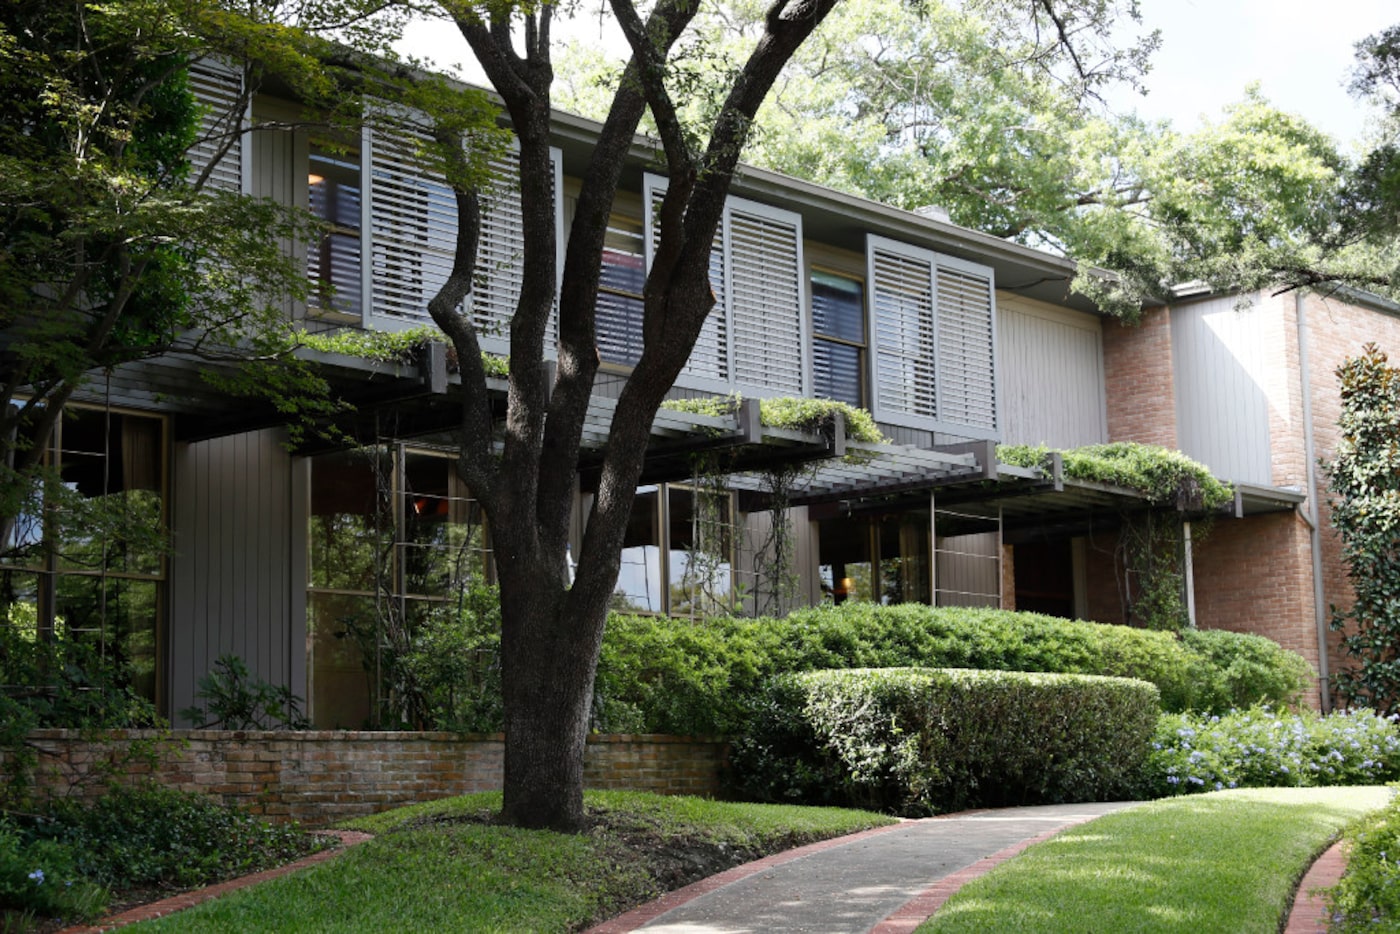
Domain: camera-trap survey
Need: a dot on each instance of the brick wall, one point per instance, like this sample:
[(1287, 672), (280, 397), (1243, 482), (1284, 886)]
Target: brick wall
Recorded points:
[(321, 777), (1137, 362), (1254, 575)]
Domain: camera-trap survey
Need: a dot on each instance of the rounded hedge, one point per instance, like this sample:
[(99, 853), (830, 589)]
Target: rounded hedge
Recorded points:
[(922, 741)]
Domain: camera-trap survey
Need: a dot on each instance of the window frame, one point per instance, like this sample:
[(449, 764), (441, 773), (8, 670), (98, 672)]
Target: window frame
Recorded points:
[(862, 346)]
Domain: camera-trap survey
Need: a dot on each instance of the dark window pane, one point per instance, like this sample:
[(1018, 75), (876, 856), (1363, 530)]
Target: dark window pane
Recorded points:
[(350, 530), (701, 548), (333, 265), (838, 307), (619, 308), (639, 578), (837, 371)]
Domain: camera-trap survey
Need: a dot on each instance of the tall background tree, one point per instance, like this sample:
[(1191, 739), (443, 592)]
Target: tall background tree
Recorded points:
[(939, 109)]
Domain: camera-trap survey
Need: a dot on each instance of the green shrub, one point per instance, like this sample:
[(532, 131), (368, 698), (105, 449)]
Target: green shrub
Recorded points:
[(152, 835), (1260, 747), (1367, 898), (680, 676), (39, 878), (236, 700), (1242, 670), (59, 683), (450, 675), (921, 741)]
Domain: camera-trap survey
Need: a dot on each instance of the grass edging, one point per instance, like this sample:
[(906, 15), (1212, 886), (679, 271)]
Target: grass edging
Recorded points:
[(438, 866), (1227, 861)]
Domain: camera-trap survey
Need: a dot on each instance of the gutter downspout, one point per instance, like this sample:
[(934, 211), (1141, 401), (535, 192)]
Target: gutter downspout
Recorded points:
[(1312, 515)]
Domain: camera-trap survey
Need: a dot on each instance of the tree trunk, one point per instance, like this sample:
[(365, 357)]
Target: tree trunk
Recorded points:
[(548, 661)]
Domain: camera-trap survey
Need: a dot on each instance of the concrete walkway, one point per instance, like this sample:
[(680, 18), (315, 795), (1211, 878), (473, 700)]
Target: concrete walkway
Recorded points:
[(884, 880)]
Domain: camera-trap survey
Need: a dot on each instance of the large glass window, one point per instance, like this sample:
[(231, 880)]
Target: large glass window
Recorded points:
[(85, 560), (393, 537), (333, 264), (838, 337), (678, 553), (619, 309)]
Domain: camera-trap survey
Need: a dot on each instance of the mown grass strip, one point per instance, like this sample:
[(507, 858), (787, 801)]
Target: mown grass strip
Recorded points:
[(1227, 861), (430, 869)]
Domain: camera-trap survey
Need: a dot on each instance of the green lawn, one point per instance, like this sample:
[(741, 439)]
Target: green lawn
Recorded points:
[(1227, 861), (429, 869)]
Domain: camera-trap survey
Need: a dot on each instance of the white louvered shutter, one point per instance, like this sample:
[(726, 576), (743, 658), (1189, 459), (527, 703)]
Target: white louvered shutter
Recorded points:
[(217, 89), (708, 366), (765, 298), (413, 225), (966, 351), (903, 335)]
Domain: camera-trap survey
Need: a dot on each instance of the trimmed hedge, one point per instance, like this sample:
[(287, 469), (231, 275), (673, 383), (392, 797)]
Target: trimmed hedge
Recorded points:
[(678, 676), (921, 741)]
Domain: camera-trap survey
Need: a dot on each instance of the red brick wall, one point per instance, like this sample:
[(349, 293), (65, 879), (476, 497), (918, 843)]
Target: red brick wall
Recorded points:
[(1254, 575), (1137, 361), (321, 777)]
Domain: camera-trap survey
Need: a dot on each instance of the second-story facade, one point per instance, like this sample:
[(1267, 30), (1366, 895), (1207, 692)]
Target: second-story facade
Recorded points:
[(300, 559)]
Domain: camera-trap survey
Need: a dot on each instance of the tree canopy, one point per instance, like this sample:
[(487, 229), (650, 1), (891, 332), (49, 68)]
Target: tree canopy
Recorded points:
[(950, 108)]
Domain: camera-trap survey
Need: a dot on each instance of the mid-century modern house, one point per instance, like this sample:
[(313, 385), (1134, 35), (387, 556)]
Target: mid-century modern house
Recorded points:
[(954, 340)]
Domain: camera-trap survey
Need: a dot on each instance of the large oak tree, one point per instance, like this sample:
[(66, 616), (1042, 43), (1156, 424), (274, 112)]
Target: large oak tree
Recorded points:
[(523, 471)]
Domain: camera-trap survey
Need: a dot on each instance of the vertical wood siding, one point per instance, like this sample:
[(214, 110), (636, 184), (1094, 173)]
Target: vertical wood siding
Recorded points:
[(232, 587), (1222, 406), (1052, 380)]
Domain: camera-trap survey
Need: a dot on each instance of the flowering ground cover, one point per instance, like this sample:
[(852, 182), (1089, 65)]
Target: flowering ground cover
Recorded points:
[(1265, 748)]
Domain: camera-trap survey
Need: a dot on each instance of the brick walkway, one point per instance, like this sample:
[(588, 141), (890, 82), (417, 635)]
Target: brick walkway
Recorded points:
[(1310, 909)]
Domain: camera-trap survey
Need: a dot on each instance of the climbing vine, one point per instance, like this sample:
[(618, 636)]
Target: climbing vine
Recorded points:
[(1148, 554)]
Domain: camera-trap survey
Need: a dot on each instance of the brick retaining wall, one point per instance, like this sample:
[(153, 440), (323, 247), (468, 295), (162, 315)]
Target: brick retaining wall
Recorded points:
[(321, 777)]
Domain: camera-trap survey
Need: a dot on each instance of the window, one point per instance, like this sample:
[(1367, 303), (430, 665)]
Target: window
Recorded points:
[(619, 309), (86, 559), (755, 339), (393, 537), (838, 337), (933, 339), (678, 553), (333, 264)]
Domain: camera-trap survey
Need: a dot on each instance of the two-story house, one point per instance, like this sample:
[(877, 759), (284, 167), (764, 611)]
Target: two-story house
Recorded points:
[(294, 558)]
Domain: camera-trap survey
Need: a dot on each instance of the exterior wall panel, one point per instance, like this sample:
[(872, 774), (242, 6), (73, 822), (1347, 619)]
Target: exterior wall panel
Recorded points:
[(1222, 357), (231, 584), (1052, 379)]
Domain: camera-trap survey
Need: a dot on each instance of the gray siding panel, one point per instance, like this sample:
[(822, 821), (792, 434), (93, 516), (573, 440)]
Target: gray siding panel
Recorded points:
[(1222, 407), (1052, 380), (231, 583)]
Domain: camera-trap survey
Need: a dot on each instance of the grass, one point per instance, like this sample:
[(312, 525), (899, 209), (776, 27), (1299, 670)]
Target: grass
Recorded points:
[(1227, 861), (435, 866)]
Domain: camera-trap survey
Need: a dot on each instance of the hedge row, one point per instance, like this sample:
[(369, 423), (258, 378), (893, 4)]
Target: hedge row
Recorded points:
[(921, 741), (679, 676)]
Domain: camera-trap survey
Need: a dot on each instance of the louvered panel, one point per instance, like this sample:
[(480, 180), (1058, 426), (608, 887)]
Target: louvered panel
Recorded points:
[(709, 360), (902, 303), (217, 89), (765, 297), (500, 255), (967, 382), (413, 226)]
